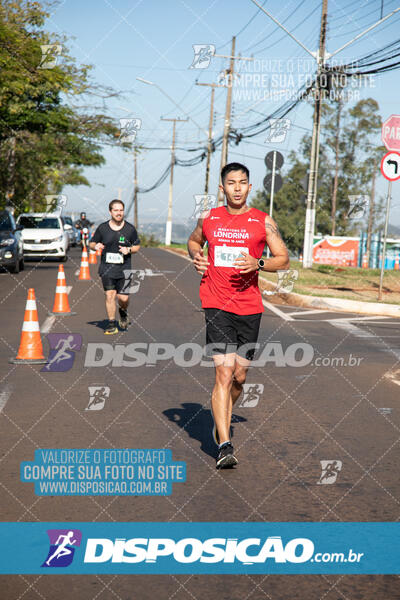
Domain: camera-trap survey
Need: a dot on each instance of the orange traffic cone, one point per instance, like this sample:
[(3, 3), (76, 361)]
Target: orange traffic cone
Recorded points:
[(30, 347), (365, 261), (61, 303), (396, 263), (84, 273), (92, 257)]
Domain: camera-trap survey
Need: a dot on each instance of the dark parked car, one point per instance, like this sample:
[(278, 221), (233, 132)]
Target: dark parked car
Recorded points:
[(11, 247), (73, 233)]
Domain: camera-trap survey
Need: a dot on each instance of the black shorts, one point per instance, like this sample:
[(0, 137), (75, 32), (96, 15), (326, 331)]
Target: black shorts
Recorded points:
[(227, 332), (113, 283)]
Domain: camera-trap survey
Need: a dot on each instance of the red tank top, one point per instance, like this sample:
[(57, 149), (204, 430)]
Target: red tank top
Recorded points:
[(222, 286)]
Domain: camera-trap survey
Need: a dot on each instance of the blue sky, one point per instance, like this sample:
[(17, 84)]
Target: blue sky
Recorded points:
[(153, 39)]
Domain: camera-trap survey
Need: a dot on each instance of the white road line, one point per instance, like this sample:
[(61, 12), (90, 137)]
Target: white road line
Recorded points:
[(370, 318), (353, 329), (49, 321), (280, 313), (48, 324), (4, 396), (362, 333), (309, 312), (177, 254)]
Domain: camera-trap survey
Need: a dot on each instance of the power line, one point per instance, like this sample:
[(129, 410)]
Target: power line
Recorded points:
[(359, 19), (248, 22), (276, 28), (284, 36)]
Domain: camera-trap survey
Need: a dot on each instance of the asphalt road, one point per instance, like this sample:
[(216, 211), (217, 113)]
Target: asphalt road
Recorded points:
[(294, 417)]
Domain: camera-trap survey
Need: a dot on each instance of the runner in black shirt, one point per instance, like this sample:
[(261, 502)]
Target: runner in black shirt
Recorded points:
[(117, 240)]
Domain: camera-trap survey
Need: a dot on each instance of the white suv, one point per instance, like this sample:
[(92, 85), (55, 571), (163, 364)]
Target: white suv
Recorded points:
[(43, 235)]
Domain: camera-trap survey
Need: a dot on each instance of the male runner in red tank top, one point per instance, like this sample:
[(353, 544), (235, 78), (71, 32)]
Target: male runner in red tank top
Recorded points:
[(236, 236)]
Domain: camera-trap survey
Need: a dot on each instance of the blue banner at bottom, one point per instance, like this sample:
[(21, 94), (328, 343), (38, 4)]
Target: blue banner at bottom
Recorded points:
[(214, 548)]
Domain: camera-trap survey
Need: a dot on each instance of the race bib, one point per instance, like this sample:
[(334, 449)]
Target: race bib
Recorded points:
[(225, 256), (114, 258)]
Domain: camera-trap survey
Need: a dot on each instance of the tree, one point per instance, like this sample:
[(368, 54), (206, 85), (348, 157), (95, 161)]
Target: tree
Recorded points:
[(348, 152), (47, 136)]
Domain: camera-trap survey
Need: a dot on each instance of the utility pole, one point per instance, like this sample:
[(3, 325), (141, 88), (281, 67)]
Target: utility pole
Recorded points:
[(320, 57), (314, 158), (389, 196), (209, 145), (228, 108), (135, 190), (336, 177), (210, 124), (371, 210), (168, 227), (227, 123)]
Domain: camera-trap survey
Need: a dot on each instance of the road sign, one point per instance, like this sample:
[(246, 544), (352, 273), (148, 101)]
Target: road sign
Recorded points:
[(269, 159), (390, 166), (278, 183), (391, 133)]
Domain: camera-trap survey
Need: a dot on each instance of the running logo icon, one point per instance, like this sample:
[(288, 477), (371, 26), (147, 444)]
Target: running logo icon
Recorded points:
[(286, 280), (203, 203), (132, 281), (278, 130), (203, 54), (56, 202), (128, 129), (62, 547), (50, 54), (285, 284), (357, 206), (330, 471), (62, 351), (251, 394), (97, 396)]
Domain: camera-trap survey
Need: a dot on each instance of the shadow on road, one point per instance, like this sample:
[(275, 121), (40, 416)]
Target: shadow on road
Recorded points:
[(198, 423), (100, 324)]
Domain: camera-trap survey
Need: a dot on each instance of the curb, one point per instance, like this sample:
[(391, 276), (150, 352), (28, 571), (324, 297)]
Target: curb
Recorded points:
[(331, 304)]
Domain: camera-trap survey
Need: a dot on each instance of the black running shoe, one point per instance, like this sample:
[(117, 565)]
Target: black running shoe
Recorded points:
[(226, 459), (123, 319), (111, 328)]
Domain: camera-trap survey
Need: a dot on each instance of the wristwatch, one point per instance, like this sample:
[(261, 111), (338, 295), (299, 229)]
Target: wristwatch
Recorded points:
[(260, 263)]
